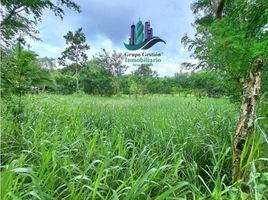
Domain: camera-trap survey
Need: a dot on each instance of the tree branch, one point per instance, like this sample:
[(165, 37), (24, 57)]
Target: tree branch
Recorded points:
[(217, 7), (13, 12)]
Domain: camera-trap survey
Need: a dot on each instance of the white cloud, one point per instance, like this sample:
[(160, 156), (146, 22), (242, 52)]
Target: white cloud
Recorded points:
[(106, 25), (44, 49)]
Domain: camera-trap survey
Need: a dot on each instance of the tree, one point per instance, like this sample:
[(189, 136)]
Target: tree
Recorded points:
[(145, 71), (181, 79), (20, 71), (232, 37), (210, 82), (46, 63), (112, 63), (143, 76), (65, 83), (21, 17), (75, 53), (135, 88), (125, 83), (96, 80)]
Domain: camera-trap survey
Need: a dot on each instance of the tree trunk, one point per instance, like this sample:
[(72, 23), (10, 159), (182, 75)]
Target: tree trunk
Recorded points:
[(251, 91), (77, 77), (77, 83)]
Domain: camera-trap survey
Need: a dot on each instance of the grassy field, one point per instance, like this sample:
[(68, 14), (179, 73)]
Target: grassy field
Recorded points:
[(83, 147)]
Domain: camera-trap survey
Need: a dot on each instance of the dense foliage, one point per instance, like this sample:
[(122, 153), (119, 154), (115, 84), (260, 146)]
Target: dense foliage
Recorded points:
[(230, 35), (36, 75), (21, 72), (21, 17)]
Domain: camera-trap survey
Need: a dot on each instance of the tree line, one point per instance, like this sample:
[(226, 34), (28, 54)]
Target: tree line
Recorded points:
[(23, 72), (223, 71)]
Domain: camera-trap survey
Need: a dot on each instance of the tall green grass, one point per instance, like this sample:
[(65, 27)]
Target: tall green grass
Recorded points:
[(83, 147)]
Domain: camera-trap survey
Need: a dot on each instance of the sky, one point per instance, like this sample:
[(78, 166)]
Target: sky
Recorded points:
[(106, 24)]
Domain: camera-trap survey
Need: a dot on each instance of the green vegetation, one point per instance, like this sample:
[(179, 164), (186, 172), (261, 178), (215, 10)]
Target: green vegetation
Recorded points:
[(143, 136), (75, 54), (82, 147), (22, 17), (23, 68)]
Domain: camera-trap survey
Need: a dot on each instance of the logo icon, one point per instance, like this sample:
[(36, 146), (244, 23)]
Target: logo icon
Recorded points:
[(141, 37)]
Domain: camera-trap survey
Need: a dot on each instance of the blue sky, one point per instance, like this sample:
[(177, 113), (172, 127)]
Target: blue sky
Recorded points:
[(106, 24)]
